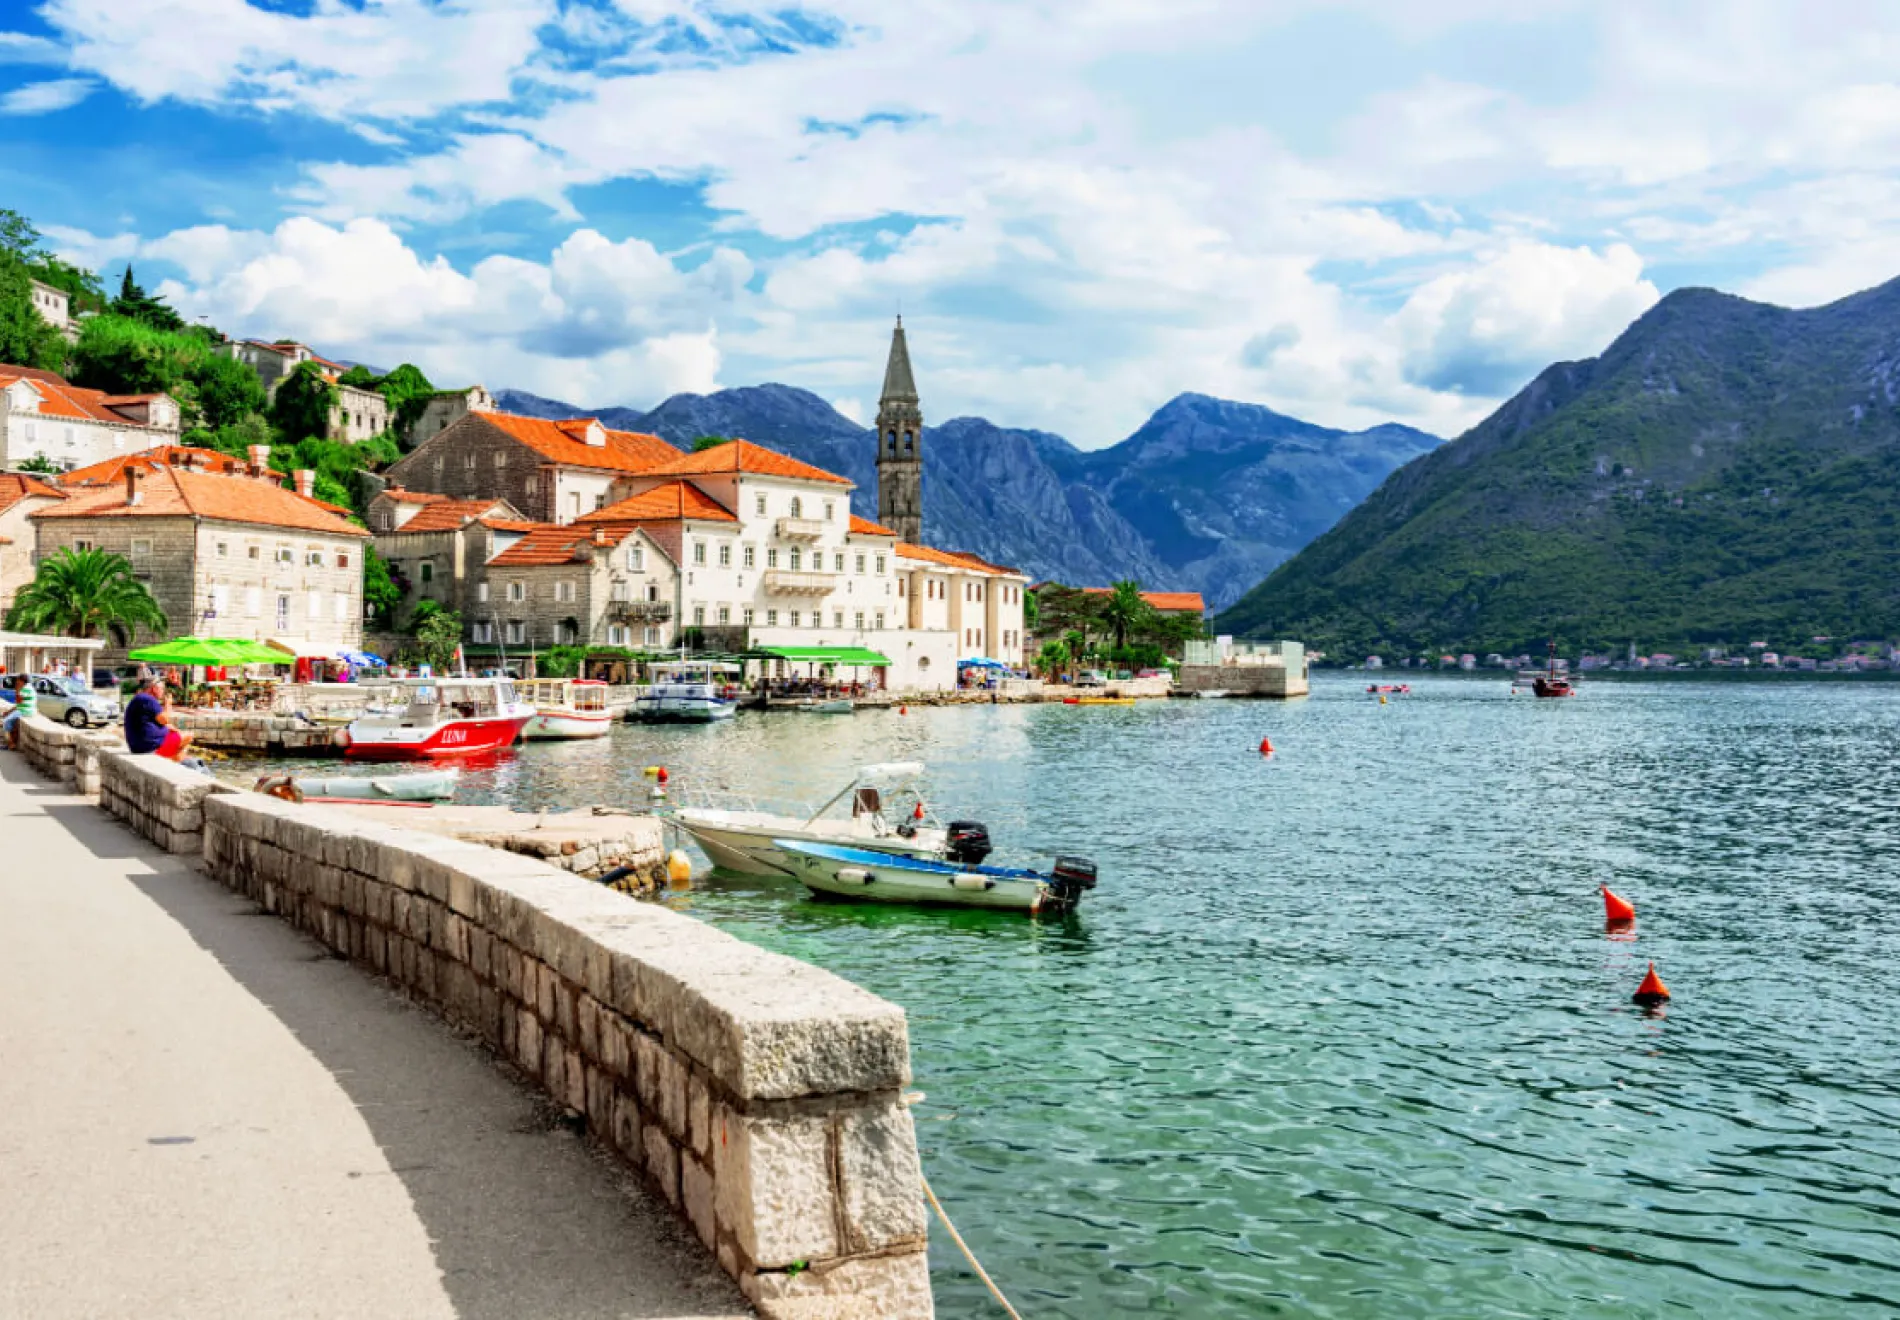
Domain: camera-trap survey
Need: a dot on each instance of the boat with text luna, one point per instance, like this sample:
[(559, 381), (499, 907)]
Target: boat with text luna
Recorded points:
[(960, 879), (440, 718), (886, 815), (566, 708)]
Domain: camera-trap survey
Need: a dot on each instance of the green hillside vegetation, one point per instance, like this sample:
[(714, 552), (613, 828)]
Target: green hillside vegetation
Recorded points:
[(1726, 471)]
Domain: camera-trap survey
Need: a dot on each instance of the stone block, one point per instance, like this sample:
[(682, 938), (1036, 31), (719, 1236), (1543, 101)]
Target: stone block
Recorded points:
[(528, 1042), (880, 1180), (863, 1288), (626, 1129), (696, 1198), (772, 1186), (698, 1116), (662, 1161)]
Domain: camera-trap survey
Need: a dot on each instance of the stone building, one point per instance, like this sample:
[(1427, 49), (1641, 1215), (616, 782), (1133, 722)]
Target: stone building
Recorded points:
[(900, 446), (978, 603), (55, 307), (44, 416), (225, 556), (444, 409), (21, 496), (600, 584), (188, 457), (552, 471), (437, 547), (357, 415)]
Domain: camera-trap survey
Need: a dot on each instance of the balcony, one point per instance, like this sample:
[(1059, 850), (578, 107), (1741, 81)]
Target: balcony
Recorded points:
[(640, 611), (800, 529), (786, 583)]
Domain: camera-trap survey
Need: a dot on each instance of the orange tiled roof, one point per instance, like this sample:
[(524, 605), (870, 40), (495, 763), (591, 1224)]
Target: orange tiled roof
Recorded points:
[(548, 544), (448, 515), (509, 525), (743, 456), (675, 499), (952, 559), (412, 496), (17, 486), (31, 373), (561, 442), (865, 527), (1168, 602), (113, 469), (169, 492), (58, 399)]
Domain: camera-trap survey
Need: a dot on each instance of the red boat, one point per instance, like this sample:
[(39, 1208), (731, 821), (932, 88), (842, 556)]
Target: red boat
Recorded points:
[(440, 719), (1550, 683)]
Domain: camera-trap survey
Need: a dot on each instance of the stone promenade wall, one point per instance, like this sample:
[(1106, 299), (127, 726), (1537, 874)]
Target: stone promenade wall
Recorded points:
[(1244, 680), (159, 800), (257, 732), (69, 755), (760, 1096)]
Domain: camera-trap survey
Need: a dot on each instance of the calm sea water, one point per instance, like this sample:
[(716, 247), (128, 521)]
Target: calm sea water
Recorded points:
[(1341, 1033)]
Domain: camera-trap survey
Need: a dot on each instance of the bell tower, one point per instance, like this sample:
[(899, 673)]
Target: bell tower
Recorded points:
[(900, 447)]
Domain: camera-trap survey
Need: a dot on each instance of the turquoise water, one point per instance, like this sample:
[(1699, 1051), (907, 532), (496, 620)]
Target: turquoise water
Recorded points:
[(1342, 1033)]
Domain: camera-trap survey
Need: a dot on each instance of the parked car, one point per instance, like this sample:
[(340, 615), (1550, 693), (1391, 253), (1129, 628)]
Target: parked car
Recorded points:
[(1092, 678), (66, 697)]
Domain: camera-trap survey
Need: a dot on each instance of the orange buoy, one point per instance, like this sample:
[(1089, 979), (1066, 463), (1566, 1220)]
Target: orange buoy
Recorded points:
[(903, 710), (662, 775), (917, 812), (1616, 909), (1266, 747), (1652, 991)]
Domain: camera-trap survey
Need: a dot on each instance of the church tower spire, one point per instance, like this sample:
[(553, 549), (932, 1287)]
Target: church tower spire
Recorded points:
[(900, 446)]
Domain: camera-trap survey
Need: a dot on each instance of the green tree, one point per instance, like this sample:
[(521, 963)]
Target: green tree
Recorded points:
[(1032, 611), (705, 442), (228, 391), (437, 637), (26, 340), (1125, 611), (122, 355), (86, 593), (560, 662), (19, 238), (1052, 657), (381, 595), (407, 392), (135, 303), (38, 463), (302, 407), (359, 376)]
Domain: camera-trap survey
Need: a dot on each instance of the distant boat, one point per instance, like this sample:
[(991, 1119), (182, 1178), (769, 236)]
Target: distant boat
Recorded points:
[(567, 708), (685, 692), (1550, 683)]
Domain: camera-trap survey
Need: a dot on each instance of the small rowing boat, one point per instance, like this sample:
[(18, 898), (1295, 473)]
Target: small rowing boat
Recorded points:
[(423, 786), (872, 877)]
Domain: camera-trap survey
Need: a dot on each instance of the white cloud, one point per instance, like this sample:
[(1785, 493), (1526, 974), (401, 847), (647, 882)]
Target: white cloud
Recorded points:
[(24, 48), (45, 97)]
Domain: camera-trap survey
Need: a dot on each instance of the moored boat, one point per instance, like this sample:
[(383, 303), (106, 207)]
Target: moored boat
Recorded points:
[(441, 718), (834, 706), (686, 691), (741, 836), (871, 877), (566, 708), (421, 786), (1551, 682)]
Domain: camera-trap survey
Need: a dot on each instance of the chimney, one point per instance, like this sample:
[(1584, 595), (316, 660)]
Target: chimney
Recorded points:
[(600, 536), (306, 480), (134, 479)]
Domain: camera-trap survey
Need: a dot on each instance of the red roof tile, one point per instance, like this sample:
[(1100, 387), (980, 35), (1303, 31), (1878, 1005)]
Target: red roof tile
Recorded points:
[(449, 515), (743, 456), (412, 496), (865, 527), (17, 486), (169, 492), (559, 442), (674, 499), (952, 559), (507, 525), (1168, 602), (548, 544), (58, 399), (188, 456), (32, 373)]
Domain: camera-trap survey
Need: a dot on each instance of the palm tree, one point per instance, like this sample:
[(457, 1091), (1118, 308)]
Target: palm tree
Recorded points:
[(83, 593), (1052, 657), (1125, 611)]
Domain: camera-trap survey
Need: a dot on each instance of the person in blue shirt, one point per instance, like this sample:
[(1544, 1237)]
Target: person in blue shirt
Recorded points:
[(148, 723)]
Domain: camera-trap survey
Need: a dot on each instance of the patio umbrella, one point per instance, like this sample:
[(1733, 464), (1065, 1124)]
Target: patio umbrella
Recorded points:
[(361, 659), (209, 651)]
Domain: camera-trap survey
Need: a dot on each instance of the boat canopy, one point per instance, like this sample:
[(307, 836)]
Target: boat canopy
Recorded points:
[(856, 656)]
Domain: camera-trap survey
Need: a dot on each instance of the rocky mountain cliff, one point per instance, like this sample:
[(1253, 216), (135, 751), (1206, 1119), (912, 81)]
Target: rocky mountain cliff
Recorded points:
[(1206, 496), (1726, 471)]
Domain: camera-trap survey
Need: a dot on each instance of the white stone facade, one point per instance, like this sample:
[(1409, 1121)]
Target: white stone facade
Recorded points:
[(71, 427)]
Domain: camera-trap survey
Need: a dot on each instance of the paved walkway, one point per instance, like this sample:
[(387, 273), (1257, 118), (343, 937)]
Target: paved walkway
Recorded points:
[(203, 1114)]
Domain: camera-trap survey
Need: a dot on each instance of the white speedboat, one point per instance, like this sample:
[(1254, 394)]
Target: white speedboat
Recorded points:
[(686, 691), (870, 877), (744, 837), (567, 708), (440, 718)]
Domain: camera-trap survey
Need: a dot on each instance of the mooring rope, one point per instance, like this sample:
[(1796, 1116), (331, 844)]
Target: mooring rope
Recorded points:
[(969, 1255)]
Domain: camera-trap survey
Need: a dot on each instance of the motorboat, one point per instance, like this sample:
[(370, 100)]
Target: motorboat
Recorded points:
[(1098, 701), (437, 785), (1389, 689), (566, 708), (744, 837), (687, 691), (870, 877), (440, 718), (832, 706)]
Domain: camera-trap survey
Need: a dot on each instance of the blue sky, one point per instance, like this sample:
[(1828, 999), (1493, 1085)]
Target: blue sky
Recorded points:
[(1351, 212)]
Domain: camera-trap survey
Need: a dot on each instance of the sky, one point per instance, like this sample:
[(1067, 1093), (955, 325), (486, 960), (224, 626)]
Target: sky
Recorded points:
[(1350, 212)]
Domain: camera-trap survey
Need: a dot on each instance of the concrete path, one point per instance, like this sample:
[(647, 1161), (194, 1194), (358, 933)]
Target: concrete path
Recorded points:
[(202, 1114)]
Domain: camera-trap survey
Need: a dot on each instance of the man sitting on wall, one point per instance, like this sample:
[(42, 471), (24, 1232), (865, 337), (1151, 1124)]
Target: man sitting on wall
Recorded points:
[(148, 723)]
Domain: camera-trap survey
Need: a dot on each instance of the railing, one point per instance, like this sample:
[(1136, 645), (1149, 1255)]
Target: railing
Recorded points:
[(800, 529), (641, 611), (799, 584)]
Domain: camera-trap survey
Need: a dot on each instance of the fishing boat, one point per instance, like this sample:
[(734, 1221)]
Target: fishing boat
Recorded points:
[(436, 785), (959, 880), (440, 718), (686, 691), (1552, 682), (1389, 689), (886, 815), (566, 708)]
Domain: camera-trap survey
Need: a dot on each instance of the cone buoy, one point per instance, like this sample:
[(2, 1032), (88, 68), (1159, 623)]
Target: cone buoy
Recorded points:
[(917, 813), (1652, 991), (1266, 747), (1617, 910), (903, 710), (679, 867), (662, 775)]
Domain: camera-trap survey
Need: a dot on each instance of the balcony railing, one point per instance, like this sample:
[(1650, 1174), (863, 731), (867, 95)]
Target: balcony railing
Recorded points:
[(800, 529), (640, 611), (799, 584)]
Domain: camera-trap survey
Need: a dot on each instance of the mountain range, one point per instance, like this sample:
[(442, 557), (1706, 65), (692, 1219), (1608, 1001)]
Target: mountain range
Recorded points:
[(1725, 471), (1207, 495)]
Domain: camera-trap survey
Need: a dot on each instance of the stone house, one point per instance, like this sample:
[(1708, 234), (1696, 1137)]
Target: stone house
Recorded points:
[(357, 415), (436, 547), (553, 471), (21, 496), (55, 307), (188, 457), (444, 409), (598, 584), (978, 603), (224, 555), (44, 416)]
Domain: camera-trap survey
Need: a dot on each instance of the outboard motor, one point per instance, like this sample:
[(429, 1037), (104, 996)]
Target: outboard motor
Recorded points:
[(967, 842), (1069, 878)]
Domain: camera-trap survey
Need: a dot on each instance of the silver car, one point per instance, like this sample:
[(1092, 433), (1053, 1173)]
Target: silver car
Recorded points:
[(68, 698)]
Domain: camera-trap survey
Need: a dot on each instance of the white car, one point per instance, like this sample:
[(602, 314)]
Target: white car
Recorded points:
[(68, 698)]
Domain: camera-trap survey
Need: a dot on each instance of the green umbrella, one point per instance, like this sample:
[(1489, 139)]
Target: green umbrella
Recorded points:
[(210, 651)]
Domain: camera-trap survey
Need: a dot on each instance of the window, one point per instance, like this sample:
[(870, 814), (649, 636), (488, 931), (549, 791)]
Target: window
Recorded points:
[(746, 617), (254, 552), (653, 591), (771, 557), (616, 635), (224, 549), (468, 461), (798, 559), (880, 619), (748, 556), (283, 611), (828, 511), (798, 507), (761, 506), (141, 547), (880, 563), (343, 559), (837, 618), (517, 632), (857, 621), (622, 590), (636, 558), (481, 592), (600, 501), (564, 591), (533, 483), (699, 615), (699, 552), (771, 618), (428, 570), (481, 632), (220, 599), (725, 615), (313, 559), (517, 591), (794, 618), (651, 636), (501, 459), (859, 568), (286, 556), (725, 556)]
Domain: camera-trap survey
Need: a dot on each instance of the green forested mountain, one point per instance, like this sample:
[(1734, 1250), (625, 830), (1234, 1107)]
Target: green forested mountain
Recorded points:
[(1726, 471)]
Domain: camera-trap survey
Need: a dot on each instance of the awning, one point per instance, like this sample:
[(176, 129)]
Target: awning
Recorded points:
[(981, 662), (855, 656), (361, 659), (209, 651), (49, 642)]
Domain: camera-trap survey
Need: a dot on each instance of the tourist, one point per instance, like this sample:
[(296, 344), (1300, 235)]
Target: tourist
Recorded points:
[(148, 723), (25, 704)]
